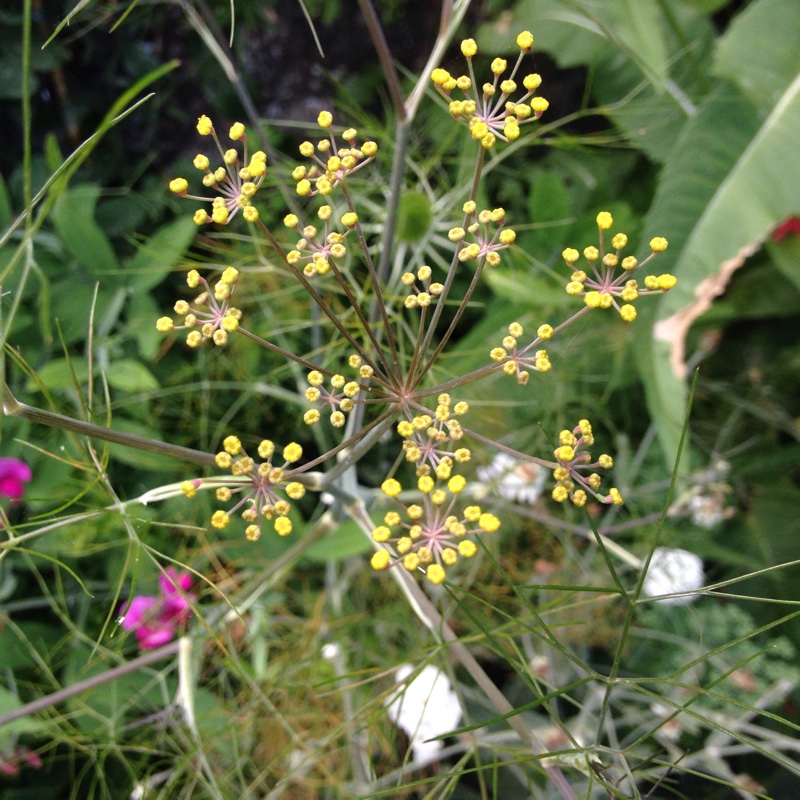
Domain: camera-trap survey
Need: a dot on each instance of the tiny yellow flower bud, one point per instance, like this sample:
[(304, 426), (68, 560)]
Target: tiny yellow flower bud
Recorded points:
[(325, 119), (237, 131), (179, 185), (604, 220), (488, 522), (204, 126), (456, 234), (539, 106), (525, 40), (435, 573), (659, 244), (469, 48), (220, 519), (391, 487), (532, 82)]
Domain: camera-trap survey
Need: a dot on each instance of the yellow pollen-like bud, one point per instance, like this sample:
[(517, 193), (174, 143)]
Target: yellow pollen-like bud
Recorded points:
[(179, 185), (658, 245), (525, 40), (204, 126), (469, 48)]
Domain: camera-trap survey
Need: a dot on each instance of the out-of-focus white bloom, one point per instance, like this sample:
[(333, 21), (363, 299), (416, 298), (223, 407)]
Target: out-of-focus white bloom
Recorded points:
[(425, 708), (673, 570), (518, 481), (705, 499), (331, 651), (708, 510)]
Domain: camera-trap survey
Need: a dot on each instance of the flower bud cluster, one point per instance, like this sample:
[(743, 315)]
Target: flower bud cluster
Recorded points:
[(429, 439), (518, 360), (210, 316), (573, 460), (319, 248), (235, 183), (487, 245), (341, 398), (433, 533), (421, 298), (598, 284), (489, 111), (331, 164), (261, 484)]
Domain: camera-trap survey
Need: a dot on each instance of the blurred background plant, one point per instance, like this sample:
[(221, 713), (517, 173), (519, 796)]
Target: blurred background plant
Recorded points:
[(682, 119)]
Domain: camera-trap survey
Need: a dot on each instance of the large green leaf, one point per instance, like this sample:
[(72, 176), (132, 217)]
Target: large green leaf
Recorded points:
[(760, 52), (160, 254), (647, 66), (729, 183), (83, 237)]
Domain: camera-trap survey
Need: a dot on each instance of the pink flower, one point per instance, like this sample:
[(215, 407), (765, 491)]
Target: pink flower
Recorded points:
[(155, 620), (11, 757), (13, 475)]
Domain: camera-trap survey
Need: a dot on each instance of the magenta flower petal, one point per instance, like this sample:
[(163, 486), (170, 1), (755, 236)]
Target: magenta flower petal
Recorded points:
[(155, 620), (151, 637), (138, 612), (14, 474)]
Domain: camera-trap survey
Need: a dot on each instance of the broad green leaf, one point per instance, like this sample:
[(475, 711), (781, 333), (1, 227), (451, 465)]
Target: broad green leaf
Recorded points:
[(141, 313), (760, 52), (348, 540), (62, 374), (413, 216), (730, 182), (160, 254), (639, 26), (647, 68), (29, 724), (74, 220), (548, 202), (128, 375)]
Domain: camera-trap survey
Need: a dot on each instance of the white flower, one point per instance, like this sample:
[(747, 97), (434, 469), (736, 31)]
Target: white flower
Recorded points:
[(427, 707), (673, 570), (518, 481)]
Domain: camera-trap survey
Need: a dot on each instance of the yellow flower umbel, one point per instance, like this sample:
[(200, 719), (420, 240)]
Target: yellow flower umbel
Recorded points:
[(428, 439), (490, 112), (487, 244), (320, 249), (212, 316), (433, 536), (261, 485), (573, 460), (598, 284), (518, 360), (341, 398), (421, 297), (235, 183), (331, 164)]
